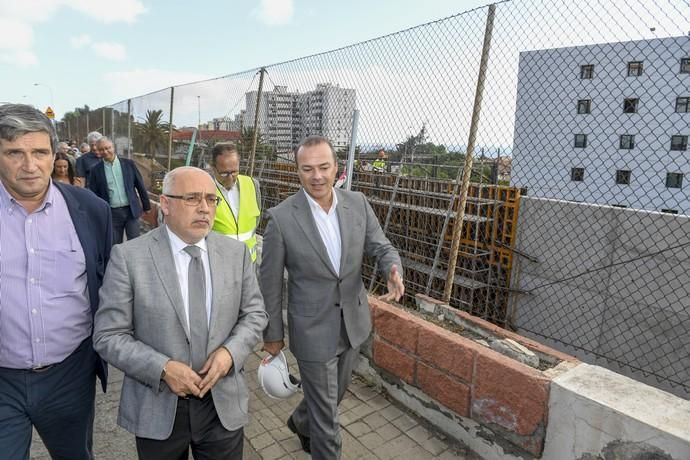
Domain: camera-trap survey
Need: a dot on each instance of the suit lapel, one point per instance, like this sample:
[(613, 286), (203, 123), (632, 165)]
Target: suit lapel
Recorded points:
[(82, 226), (217, 267), (163, 261), (305, 220)]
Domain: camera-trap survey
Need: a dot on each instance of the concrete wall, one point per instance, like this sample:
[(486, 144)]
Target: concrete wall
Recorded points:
[(632, 317), (503, 409), (596, 414)]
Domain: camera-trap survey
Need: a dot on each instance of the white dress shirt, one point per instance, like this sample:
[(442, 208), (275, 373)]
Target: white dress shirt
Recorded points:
[(232, 196), (329, 229), (182, 268)]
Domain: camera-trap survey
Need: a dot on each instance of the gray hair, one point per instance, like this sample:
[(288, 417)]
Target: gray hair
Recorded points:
[(169, 179), (93, 136), (20, 119), (84, 144), (103, 139), (311, 141)]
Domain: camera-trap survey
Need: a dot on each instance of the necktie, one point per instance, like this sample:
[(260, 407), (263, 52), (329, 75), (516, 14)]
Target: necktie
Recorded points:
[(198, 324)]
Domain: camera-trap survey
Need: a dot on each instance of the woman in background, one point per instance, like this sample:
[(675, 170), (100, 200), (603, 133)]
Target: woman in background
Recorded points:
[(62, 169)]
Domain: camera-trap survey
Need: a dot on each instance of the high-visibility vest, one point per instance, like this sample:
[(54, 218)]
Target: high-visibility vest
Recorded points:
[(242, 227), (379, 165)]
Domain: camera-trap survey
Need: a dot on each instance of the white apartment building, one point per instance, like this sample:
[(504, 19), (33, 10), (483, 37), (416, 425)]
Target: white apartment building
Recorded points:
[(327, 111), (606, 123), (287, 117), (278, 116), (226, 124)]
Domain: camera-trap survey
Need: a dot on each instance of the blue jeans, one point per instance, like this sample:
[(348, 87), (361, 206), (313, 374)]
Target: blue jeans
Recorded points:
[(58, 401)]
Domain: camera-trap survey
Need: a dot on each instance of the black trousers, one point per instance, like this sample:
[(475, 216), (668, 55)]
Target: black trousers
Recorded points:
[(124, 221), (57, 401), (197, 426)]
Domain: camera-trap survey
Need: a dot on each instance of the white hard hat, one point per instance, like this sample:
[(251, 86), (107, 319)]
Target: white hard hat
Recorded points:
[(275, 378)]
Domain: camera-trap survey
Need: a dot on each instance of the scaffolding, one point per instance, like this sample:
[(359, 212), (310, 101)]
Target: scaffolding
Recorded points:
[(418, 216)]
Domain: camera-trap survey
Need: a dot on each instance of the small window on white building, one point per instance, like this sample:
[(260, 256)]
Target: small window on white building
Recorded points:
[(683, 104), (670, 211), (577, 174), (634, 68), (630, 105), (584, 106), (587, 72), (627, 142), (623, 177), (674, 180), (679, 142), (685, 65), (580, 141)]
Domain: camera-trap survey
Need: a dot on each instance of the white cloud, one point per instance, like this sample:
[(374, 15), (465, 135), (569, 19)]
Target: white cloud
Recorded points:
[(16, 43), (109, 50), (19, 17), (19, 58), (274, 12), (80, 41), (108, 11)]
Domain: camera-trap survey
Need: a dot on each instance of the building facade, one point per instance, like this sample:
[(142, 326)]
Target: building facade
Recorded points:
[(606, 123), (287, 117)]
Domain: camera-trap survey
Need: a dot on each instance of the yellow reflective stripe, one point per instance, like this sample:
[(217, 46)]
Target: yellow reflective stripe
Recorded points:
[(242, 236)]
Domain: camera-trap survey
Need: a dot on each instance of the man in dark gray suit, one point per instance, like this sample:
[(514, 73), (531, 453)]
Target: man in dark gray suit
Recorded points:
[(180, 312), (320, 235)]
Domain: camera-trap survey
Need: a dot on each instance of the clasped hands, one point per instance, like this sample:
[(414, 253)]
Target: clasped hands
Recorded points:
[(184, 381)]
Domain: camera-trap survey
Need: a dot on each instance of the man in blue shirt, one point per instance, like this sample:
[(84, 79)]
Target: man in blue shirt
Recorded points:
[(55, 242)]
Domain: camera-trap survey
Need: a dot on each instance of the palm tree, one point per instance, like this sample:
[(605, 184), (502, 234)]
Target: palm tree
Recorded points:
[(263, 150), (152, 133)]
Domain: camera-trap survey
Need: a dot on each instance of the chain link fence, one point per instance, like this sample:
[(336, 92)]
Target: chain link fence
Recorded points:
[(575, 117)]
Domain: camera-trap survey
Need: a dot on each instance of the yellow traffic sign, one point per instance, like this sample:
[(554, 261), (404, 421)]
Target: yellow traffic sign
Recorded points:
[(49, 113)]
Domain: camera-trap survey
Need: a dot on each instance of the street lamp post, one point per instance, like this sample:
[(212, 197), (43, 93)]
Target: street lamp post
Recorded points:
[(50, 90)]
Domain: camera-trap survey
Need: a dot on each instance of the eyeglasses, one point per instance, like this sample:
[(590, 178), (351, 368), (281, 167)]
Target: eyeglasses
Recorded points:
[(194, 199), (226, 174)]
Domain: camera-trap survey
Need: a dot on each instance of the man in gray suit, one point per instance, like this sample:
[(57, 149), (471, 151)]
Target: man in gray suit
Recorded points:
[(180, 312), (320, 235)]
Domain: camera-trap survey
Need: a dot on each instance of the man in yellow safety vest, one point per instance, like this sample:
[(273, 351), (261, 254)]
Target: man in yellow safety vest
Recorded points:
[(379, 164), (239, 211)]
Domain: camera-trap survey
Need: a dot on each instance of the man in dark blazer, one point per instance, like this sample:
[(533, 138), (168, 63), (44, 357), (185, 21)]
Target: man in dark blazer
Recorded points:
[(55, 241), (118, 181), (320, 235)]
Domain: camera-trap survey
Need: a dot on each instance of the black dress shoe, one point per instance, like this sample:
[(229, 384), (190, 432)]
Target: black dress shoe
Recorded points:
[(304, 440)]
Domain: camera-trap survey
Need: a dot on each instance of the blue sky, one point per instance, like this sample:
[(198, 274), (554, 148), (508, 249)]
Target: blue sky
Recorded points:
[(98, 52)]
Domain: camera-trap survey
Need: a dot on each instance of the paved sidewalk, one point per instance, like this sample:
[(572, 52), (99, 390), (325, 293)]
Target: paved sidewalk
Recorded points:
[(372, 427)]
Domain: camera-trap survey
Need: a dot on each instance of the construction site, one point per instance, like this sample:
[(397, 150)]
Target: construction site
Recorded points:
[(418, 214)]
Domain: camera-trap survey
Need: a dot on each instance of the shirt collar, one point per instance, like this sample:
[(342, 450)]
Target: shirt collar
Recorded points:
[(178, 245), (314, 205), (8, 201), (115, 161), (222, 187)]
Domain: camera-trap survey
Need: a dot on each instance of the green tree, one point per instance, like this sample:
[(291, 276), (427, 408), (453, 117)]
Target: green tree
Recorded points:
[(263, 149), (152, 134)]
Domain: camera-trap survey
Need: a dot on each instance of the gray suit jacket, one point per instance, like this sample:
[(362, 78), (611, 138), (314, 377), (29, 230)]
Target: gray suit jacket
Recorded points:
[(316, 293), (141, 324)]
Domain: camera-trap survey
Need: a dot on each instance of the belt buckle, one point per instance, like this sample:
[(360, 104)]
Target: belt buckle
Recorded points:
[(41, 369)]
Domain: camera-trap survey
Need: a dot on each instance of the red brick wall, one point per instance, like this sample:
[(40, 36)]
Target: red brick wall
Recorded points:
[(470, 379)]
